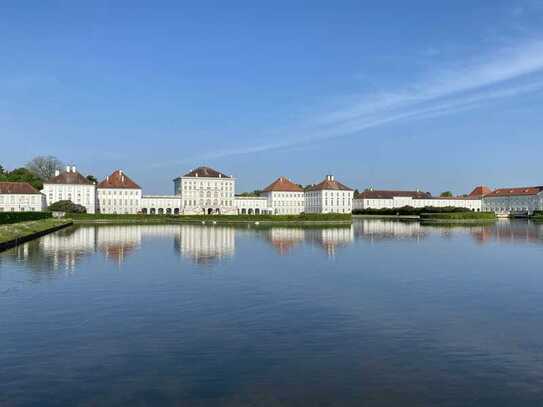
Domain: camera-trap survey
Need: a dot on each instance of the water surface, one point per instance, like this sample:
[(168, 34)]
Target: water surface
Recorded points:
[(383, 313)]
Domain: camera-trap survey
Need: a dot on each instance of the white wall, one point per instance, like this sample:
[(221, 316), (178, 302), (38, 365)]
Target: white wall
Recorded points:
[(80, 194), (22, 202), (119, 200), (286, 203), (202, 193)]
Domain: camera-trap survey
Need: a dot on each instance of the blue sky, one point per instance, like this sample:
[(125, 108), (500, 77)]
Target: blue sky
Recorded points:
[(420, 94)]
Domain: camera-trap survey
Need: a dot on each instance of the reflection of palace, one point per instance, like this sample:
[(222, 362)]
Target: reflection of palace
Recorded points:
[(330, 238), (380, 229), (205, 244), (509, 231), (284, 239)]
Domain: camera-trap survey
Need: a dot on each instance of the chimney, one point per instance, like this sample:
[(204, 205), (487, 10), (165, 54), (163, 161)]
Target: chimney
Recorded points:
[(330, 177), (73, 168), (57, 173), (121, 172), (107, 178), (220, 175), (122, 178), (67, 168)]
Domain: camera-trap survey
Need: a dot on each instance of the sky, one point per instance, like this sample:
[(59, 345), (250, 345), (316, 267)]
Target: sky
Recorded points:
[(435, 95)]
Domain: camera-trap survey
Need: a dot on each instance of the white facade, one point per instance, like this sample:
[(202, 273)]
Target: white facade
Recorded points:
[(329, 197), (118, 194), (474, 204), (119, 200), (161, 204), (252, 205), (506, 202), (286, 202), (16, 197), (206, 191), (70, 186)]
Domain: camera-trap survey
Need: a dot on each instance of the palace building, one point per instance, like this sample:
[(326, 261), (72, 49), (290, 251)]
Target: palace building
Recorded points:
[(514, 201), (117, 193), (382, 199), (206, 191), (329, 196), (70, 185), (284, 197), (20, 197)]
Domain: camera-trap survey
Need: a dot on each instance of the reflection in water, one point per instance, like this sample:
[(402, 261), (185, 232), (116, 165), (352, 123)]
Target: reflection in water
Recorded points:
[(206, 244), (445, 321)]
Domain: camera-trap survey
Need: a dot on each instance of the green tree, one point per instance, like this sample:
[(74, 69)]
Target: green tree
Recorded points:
[(92, 178), (24, 175), (446, 194)]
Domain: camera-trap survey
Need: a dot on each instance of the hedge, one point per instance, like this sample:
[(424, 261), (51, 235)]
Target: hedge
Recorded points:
[(15, 217), (460, 216), (409, 210)]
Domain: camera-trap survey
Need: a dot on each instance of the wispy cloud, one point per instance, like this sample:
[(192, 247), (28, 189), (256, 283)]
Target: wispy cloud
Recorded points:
[(507, 73)]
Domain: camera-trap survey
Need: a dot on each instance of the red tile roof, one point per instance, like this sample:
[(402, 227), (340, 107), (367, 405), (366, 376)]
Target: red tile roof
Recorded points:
[(329, 183), (69, 178), (283, 184), (118, 179), (206, 172), (372, 194), (17, 188), (480, 191), (516, 191)]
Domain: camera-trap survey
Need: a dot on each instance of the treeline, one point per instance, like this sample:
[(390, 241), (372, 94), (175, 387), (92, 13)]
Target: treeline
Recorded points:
[(309, 217), (36, 171), (409, 210)]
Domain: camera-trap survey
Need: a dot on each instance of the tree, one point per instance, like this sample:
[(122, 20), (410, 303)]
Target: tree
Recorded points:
[(446, 194), (92, 178), (44, 166), (1, 170), (66, 206), (24, 175)]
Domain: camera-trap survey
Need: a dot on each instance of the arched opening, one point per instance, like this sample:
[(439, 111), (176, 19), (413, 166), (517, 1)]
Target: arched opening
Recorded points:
[(152, 211), (257, 211), (210, 211), (176, 211), (160, 211), (250, 211), (244, 211), (144, 211), (169, 211)]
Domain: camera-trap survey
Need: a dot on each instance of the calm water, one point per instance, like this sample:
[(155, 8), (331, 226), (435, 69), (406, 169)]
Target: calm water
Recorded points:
[(382, 313)]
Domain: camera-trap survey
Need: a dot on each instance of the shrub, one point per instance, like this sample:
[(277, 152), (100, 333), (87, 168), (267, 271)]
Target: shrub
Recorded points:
[(459, 216), (66, 206), (15, 217)]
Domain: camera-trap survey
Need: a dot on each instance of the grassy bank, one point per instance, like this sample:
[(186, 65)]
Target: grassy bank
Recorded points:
[(143, 219), (459, 216), (22, 230)]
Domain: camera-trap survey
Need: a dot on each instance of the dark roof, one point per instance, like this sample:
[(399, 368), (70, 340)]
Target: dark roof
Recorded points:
[(480, 191), (516, 191), (206, 172), (118, 179), (373, 194), (69, 178), (283, 184), (17, 188), (329, 183)]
